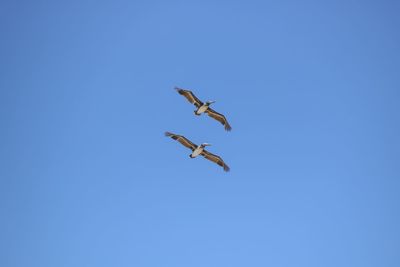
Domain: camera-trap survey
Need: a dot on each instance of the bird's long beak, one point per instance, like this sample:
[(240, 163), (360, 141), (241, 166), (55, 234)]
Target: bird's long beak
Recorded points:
[(211, 102), (206, 144)]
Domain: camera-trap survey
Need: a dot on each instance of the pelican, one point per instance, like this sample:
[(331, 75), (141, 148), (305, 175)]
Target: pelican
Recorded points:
[(204, 107), (198, 150)]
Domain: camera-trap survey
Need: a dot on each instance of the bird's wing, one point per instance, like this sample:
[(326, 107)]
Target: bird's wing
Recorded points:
[(219, 117), (181, 139), (190, 97), (216, 159)]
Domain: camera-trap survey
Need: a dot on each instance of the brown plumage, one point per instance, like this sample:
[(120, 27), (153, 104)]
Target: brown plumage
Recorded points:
[(219, 117), (204, 107), (183, 140), (216, 159), (196, 150), (190, 97)]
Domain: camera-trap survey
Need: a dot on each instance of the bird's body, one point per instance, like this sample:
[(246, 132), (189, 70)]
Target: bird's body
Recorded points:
[(198, 150), (201, 109), (204, 107)]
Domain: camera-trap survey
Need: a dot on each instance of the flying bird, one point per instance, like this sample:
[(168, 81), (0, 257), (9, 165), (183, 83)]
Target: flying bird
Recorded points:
[(204, 107), (198, 150)]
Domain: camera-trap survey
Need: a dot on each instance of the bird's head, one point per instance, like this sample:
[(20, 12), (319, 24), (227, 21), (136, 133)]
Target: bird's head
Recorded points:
[(210, 102)]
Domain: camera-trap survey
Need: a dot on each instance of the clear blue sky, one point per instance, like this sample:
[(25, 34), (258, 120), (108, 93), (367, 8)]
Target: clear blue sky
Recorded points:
[(311, 89)]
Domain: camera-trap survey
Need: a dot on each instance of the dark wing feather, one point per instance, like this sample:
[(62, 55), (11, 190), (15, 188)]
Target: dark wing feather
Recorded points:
[(190, 97), (219, 117), (183, 140), (216, 159)]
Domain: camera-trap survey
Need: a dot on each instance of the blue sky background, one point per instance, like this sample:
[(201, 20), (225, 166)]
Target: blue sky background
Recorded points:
[(311, 90)]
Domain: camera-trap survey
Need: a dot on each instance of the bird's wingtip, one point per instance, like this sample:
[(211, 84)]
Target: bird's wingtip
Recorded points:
[(226, 168)]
